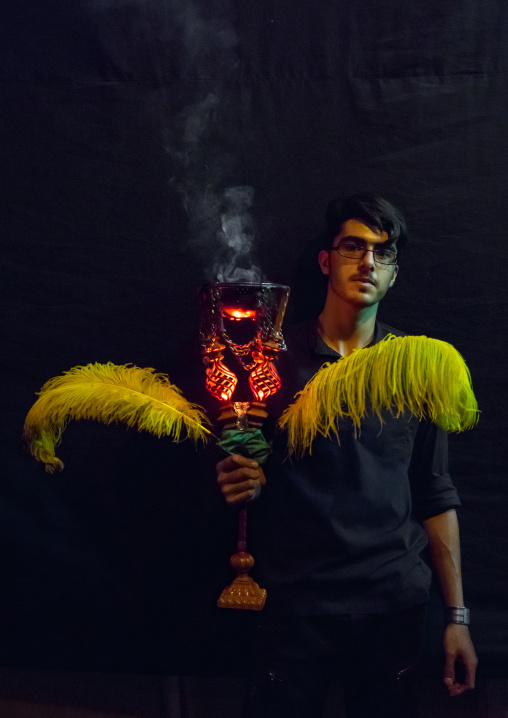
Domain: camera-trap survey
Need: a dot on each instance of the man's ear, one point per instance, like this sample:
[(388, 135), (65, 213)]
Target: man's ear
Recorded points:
[(324, 261), (395, 272)]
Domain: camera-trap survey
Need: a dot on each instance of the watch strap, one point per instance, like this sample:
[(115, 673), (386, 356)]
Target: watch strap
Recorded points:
[(457, 614)]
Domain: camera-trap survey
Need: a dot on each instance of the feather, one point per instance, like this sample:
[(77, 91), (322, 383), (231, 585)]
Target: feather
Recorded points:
[(427, 376), (109, 393)]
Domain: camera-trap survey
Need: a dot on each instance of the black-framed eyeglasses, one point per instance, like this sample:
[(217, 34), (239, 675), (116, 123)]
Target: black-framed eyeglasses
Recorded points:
[(357, 249)]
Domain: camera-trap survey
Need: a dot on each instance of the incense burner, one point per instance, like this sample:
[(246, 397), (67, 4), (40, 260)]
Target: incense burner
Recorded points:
[(241, 334)]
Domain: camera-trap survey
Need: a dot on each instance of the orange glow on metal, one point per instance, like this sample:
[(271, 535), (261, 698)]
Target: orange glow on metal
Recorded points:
[(264, 380), (220, 381), (237, 314)]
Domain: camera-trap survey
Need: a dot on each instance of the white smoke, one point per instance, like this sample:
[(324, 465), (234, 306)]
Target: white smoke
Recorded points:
[(197, 40), (237, 238), (220, 221)]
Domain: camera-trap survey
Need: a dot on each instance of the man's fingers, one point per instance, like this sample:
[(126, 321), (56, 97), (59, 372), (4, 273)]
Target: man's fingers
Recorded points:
[(449, 671), (470, 677), (239, 499), (239, 488), (457, 688), (242, 492), (235, 461), (238, 476), (470, 664), (460, 660)]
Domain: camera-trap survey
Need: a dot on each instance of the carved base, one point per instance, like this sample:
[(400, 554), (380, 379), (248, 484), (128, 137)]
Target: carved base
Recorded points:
[(243, 592)]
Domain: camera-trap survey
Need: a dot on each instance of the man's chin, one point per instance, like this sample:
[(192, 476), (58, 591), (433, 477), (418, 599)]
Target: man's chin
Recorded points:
[(365, 296)]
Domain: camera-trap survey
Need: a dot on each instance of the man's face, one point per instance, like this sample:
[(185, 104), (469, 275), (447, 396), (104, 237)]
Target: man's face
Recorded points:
[(362, 282)]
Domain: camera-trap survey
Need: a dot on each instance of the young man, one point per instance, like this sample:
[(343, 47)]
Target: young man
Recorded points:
[(338, 534)]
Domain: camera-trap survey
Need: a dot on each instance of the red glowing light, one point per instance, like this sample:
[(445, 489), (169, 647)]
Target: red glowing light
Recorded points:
[(237, 314), (220, 381), (264, 380)]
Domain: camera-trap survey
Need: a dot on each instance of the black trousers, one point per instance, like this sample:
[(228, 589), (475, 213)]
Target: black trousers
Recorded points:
[(376, 656)]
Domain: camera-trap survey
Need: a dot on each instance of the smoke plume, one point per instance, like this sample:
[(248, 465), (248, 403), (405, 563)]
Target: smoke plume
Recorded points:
[(220, 222), (189, 48), (237, 237)]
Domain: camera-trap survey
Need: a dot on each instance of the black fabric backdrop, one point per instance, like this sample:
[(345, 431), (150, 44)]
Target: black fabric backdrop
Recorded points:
[(123, 122)]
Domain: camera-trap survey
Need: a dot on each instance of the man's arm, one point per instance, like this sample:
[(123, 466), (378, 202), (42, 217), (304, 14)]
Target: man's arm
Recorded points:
[(444, 544)]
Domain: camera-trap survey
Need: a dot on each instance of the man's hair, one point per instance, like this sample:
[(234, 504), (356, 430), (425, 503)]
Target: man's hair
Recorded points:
[(373, 211)]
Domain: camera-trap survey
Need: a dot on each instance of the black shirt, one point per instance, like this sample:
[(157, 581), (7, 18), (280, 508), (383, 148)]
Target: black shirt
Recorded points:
[(339, 530)]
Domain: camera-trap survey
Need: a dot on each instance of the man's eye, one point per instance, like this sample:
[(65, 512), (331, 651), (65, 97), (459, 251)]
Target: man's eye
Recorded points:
[(352, 246)]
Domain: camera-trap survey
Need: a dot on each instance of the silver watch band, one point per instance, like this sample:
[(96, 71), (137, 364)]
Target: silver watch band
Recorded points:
[(457, 614)]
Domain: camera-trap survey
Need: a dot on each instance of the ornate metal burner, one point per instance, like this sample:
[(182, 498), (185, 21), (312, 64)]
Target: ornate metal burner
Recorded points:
[(246, 319), (243, 320)]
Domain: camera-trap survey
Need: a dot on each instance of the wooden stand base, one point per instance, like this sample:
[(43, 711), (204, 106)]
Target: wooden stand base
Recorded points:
[(243, 592)]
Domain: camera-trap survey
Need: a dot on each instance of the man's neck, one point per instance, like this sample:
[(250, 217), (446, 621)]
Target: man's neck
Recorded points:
[(348, 329)]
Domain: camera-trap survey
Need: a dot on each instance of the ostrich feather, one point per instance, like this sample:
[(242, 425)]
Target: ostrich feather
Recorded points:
[(109, 393), (427, 376)]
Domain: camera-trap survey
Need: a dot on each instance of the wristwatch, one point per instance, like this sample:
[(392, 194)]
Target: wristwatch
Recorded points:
[(457, 614)]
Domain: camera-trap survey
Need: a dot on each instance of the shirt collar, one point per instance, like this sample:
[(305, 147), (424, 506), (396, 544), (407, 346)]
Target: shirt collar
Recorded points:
[(322, 349)]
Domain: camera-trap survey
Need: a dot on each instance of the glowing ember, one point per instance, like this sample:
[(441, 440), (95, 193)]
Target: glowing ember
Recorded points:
[(237, 314)]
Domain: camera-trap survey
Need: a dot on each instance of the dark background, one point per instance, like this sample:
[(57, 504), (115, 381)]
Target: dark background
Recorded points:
[(123, 123)]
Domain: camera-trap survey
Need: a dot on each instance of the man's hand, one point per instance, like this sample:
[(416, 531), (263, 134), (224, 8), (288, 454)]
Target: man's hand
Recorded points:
[(443, 534), (458, 648), (239, 478)]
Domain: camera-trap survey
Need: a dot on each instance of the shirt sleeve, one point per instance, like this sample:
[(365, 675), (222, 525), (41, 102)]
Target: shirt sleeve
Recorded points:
[(432, 489)]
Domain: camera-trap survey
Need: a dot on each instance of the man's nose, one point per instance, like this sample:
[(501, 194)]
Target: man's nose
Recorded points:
[(368, 258)]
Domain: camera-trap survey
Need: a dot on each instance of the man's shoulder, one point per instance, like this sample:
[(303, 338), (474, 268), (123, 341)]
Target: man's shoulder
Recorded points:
[(382, 331)]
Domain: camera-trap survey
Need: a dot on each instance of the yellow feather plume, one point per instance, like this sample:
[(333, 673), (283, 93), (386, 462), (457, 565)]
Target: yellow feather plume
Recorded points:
[(427, 376), (109, 393)]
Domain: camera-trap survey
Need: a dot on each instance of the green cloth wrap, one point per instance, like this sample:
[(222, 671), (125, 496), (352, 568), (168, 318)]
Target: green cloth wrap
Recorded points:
[(250, 443)]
